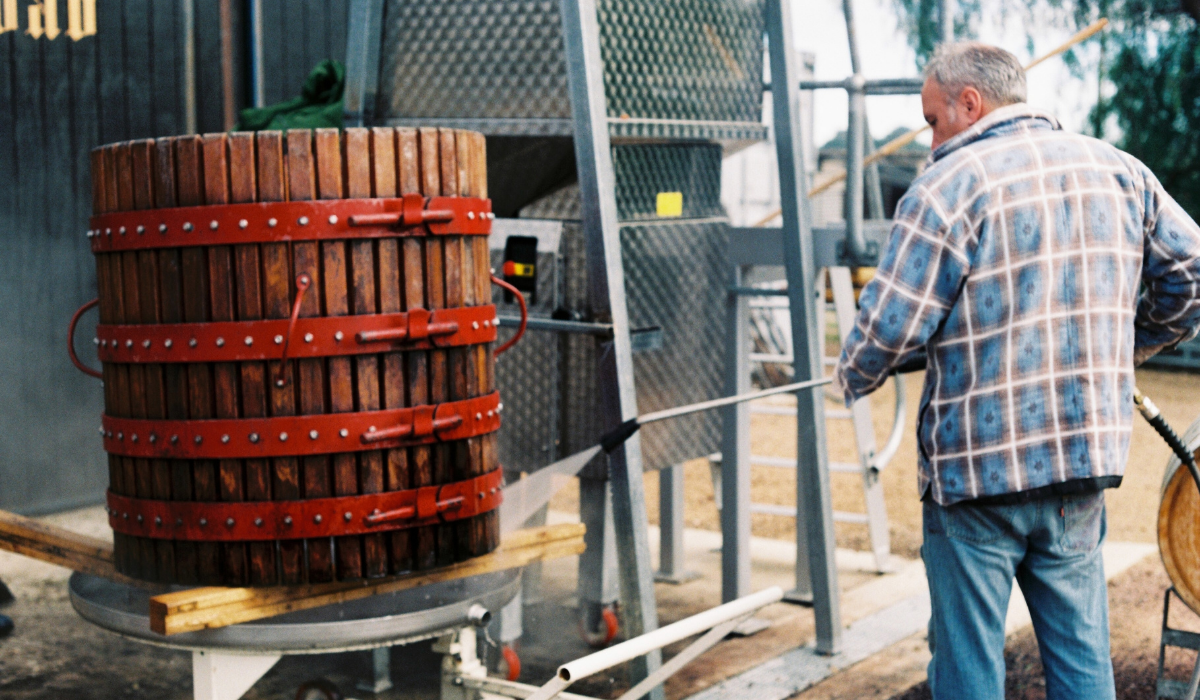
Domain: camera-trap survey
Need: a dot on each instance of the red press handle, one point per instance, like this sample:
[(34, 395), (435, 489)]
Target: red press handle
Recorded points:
[(524, 314), (71, 340), (303, 282)]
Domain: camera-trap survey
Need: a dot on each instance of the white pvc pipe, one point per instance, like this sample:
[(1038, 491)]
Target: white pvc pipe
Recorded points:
[(659, 638)]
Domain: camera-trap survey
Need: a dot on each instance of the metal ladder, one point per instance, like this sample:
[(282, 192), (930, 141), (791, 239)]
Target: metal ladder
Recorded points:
[(870, 462)]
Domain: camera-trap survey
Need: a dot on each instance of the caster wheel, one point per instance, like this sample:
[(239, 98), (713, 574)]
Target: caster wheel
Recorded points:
[(602, 637), (319, 689), (512, 661)]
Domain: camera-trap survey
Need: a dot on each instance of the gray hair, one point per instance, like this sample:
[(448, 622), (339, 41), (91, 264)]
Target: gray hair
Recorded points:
[(994, 72)]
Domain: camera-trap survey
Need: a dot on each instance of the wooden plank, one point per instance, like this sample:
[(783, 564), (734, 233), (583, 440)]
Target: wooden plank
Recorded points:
[(58, 546), (434, 544), (170, 269), (243, 187), (189, 611), (277, 285), (301, 178), (342, 379), (230, 472), (190, 188)]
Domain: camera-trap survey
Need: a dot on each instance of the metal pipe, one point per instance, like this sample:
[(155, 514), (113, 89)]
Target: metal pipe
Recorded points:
[(881, 459), (551, 324), (856, 243), (902, 86), (874, 190), (189, 65), (661, 637), (685, 657), (730, 400), (946, 21), (257, 84)]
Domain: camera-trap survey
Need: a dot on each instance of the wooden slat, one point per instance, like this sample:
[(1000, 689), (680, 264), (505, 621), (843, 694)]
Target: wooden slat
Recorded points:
[(188, 611), (190, 187), (277, 286), (434, 544), (58, 546), (315, 476), (230, 472), (170, 268)]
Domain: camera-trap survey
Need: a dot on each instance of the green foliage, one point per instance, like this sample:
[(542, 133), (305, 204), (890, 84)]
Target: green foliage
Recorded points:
[(1150, 55)]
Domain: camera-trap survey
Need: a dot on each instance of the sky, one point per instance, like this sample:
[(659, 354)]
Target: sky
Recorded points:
[(820, 28)]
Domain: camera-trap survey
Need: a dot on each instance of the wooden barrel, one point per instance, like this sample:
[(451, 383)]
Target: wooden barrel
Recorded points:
[(296, 336), (1179, 524)]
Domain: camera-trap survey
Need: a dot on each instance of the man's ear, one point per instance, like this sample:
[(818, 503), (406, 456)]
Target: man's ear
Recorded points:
[(972, 104)]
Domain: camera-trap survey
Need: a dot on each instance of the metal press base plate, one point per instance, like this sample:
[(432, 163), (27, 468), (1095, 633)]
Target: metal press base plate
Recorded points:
[(382, 620)]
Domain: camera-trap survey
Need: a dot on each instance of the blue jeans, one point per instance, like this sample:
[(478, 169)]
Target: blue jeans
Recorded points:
[(1052, 548)]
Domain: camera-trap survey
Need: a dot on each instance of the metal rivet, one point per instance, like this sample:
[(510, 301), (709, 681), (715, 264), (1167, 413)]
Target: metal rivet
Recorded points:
[(312, 435), (304, 221), (95, 341), (478, 416), (220, 342), (146, 343), (475, 325), (120, 436), (258, 522), (134, 437), (243, 223), (162, 228), (471, 215), (225, 439), (253, 437), (109, 434), (317, 518), (486, 324), (168, 343), (125, 516), (198, 439), (187, 226), (280, 383), (203, 522), (491, 214), (499, 407), (121, 230), (157, 520), (103, 343), (283, 437), (308, 337), (108, 231), (192, 343), (229, 522), (249, 341), (491, 413), (333, 218), (213, 225), (338, 336), (287, 520), (343, 432), (371, 429), (89, 233), (140, 519), (153, 438), (271, 222), (480, 495), (129, 343), (141, 229), (278, 339), (102, 430), (174, 439)]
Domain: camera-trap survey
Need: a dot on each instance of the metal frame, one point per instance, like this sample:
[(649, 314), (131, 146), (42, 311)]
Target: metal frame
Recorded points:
[(606, 281), (1167, 687)]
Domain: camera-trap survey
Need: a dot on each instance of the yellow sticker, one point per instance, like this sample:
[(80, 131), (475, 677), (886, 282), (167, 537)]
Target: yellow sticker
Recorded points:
[(670, 204)]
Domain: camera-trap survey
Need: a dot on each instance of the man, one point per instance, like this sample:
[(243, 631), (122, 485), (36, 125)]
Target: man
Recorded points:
[(1016, 261)]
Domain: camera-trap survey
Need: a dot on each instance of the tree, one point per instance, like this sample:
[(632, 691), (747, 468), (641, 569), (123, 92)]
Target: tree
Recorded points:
[(1150, 55)]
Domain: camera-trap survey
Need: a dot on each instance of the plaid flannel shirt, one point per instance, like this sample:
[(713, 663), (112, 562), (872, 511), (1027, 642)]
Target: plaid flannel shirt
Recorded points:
[(1015, 260)]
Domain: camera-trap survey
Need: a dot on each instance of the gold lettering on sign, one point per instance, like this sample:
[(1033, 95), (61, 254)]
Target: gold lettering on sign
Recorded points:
[(81, 18), (8, 16), (43, 20)]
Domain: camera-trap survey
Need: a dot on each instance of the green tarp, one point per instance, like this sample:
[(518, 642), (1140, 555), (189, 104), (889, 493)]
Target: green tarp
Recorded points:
[(319, 103)]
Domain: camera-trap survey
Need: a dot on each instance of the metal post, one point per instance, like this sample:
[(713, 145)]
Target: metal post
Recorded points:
[(855, 136), (188, 8), (257, 83), (814, 532), (874, 189), (363, 37), (597, 585), (946, 21), (606, 294), (735, 449), (670, 528)]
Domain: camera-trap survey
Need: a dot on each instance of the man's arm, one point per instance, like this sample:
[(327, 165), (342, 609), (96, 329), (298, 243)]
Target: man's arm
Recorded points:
[(915, 286), (1168, 310)]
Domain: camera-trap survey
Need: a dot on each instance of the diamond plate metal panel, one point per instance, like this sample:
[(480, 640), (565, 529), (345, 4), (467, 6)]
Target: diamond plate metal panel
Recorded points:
[(691, 60), (642, 172)]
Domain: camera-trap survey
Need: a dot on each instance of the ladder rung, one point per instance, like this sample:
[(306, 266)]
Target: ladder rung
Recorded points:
[(770, 358), (839, 516), (839, 414), (790, 463), (771, 410)]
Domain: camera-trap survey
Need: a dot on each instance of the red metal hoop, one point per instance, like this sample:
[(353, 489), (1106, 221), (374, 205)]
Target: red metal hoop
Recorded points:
[(71, 340)]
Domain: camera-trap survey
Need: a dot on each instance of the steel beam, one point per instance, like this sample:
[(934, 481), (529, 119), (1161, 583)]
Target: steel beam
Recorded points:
[(606, 293), (363, 37), (814, 532)]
